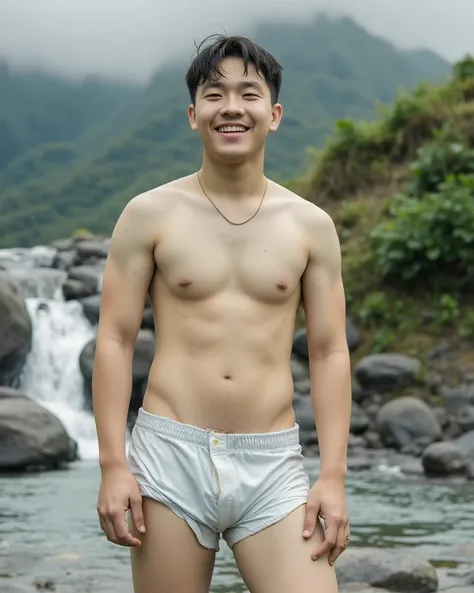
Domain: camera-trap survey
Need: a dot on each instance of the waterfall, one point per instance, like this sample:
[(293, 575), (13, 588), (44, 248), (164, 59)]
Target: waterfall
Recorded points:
[(51, 375)]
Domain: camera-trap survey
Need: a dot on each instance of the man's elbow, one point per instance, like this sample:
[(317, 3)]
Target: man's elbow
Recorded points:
[(322, 349)]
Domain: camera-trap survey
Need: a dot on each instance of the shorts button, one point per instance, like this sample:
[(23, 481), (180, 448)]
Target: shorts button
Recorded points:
[(215, 441)]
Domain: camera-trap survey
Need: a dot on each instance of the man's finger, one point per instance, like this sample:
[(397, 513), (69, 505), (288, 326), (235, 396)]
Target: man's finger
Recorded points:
[(341, 544), (311, 516), (124, 538), (136, 511), (329, 541)]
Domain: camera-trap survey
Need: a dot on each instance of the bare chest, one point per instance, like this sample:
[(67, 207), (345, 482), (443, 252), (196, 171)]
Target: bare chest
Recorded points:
[(198, 260)]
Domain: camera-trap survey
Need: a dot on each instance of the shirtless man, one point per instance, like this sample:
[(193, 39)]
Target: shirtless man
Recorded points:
[(227, 257)]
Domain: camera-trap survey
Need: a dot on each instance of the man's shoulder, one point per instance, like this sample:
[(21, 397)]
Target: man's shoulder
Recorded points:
[(158, 199), (309, 214)]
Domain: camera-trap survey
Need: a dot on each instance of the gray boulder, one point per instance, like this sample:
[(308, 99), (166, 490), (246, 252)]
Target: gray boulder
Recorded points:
[(383, 373), (15, 332), (443, 459), (398, 570), (31, 437), (408, 425)]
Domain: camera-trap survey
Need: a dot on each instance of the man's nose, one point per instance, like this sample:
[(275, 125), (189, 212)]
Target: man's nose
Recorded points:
[(232, 107)]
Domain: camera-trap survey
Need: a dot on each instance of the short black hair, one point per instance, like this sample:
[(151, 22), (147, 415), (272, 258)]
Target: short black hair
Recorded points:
[(205, 65)]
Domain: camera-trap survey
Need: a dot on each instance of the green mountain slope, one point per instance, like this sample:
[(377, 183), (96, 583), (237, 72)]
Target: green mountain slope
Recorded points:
[(37, 107), (333, 69)]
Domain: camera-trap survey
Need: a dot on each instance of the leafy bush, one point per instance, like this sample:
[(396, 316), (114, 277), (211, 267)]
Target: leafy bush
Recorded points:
[(432, 234), (435, 162), (464, 69)]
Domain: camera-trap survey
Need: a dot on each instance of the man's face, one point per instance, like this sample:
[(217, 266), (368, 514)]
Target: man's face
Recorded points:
[(234, 114)]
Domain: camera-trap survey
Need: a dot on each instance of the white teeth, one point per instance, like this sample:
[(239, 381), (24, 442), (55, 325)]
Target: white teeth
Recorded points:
[(231, 129)]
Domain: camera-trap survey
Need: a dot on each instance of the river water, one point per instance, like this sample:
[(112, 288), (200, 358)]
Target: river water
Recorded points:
[(48, 521)]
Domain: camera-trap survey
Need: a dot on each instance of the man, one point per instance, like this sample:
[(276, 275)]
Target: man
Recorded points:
[(227, 257)]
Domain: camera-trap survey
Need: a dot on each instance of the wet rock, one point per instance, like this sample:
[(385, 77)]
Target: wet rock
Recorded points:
[(63, 244), (359, 420), (90, 276), (383, 373), (88, 248), (31, 437), (465, 418), (91, 308), (402, 571), (413, 467), (443, 459), (372, 440), (466, 445), (42, 584), (65, 260), (76, 289), (457, 398), (408, 425), (359, 464), (142, 360), (15, 332)]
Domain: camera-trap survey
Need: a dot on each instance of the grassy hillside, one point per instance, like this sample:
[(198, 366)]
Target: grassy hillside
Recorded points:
[(37, 107), (401, 191), (333, 69)]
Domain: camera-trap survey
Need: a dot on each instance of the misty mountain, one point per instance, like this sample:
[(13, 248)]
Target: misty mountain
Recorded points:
[(332, 69), (37, 107)]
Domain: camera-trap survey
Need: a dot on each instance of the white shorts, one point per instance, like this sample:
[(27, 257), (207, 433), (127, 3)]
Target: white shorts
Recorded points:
[(229, 484)]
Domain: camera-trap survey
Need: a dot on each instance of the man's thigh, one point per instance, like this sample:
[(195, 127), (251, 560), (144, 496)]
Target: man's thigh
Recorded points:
[(170, 558), (278, 559)]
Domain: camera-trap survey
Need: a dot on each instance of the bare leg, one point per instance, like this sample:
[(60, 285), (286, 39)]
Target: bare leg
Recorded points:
[(170, 558), (278, 559)]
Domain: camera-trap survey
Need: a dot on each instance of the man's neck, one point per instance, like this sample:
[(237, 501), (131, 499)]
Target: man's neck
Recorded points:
[(243, 180)]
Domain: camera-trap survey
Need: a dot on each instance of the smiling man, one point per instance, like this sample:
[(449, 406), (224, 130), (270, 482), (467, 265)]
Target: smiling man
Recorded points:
[(227, 257)]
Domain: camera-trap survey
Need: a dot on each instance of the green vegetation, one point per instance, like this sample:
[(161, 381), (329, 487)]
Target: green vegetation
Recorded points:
[(333, 69), (401, 191), (37, 107)]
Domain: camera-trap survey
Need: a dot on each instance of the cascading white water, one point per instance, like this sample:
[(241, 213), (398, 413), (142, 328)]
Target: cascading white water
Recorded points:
[(51, 375)]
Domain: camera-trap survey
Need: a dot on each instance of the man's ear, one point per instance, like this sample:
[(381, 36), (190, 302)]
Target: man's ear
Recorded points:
[(192, 117), (277, 114)]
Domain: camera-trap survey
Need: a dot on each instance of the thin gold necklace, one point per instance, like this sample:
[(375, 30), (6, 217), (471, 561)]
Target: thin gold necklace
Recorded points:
[(224, 216)]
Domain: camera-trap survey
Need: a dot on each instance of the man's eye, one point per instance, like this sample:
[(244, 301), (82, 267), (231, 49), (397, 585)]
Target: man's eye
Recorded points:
[(212, 96), (251, 95)]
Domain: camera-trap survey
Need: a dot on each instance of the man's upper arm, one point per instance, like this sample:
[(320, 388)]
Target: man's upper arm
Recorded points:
[(128, 271), (322, 287)]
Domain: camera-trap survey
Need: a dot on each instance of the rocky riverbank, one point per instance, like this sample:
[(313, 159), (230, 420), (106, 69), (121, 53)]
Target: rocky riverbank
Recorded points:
[(362, 570), (401, 408)]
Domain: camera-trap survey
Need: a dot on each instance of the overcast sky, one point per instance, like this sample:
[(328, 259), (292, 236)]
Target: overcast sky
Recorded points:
[(130, 38)]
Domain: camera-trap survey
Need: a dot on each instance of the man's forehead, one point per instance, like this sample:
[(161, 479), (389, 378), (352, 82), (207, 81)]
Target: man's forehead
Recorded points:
[(235, 68)]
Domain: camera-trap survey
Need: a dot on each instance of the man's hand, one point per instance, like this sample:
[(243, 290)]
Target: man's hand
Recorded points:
[(327, 500), (119, 492)]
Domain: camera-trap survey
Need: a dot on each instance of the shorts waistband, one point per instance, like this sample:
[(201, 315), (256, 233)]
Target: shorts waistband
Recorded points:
[(203, 437)]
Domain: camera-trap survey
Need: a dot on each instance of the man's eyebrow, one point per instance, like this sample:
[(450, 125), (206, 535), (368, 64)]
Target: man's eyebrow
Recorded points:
[(215, 84)]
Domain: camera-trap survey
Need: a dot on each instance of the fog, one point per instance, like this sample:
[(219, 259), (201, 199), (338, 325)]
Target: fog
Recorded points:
[(129, 39)]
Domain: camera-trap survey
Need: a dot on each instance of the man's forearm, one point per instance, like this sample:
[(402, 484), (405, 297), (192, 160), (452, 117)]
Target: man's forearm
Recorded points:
[(111, 390), (331, 401)]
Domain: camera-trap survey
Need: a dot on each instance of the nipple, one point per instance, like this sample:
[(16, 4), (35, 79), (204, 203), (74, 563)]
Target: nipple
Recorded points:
[(282, 286), (185, 283)]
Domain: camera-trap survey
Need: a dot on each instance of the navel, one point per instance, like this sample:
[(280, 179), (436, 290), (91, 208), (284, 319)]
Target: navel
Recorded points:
[(227, 377), (282, 286)]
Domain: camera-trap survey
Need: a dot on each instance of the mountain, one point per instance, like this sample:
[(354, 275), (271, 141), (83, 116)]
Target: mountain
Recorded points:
[(333, 69), (37, 107)]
